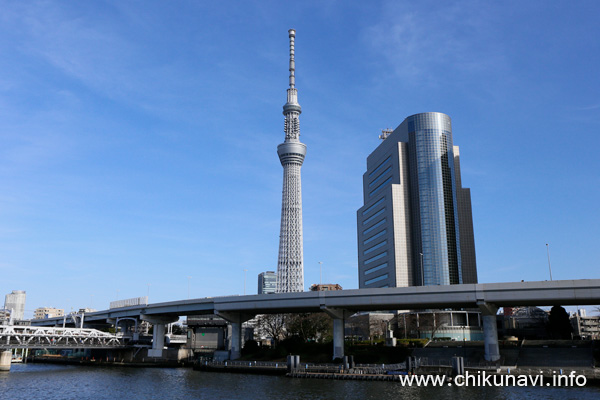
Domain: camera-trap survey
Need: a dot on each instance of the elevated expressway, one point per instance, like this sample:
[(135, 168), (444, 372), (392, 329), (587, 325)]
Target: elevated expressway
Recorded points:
[(487, 297)]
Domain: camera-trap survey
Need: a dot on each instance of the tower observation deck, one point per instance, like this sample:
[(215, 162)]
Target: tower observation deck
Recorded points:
[(290, 264)]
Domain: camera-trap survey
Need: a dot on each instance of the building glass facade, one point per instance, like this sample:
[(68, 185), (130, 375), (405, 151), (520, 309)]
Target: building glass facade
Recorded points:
[(267, 282), (415, 210), (434, 198)]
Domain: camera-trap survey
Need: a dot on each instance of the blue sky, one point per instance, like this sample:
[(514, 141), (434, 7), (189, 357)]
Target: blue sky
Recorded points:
[(139, 137)]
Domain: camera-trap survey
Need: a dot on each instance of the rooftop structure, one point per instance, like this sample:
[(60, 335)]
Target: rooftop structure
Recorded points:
[(321, 287)]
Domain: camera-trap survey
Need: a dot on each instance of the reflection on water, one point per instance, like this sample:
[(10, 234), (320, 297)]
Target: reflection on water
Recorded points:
[(53, 382)]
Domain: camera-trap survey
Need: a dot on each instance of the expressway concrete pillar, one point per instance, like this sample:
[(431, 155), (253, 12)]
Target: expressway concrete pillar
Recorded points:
[(158, 332), (158, 340), (235, 320), (5, 359), (339, 318), (490, 330)]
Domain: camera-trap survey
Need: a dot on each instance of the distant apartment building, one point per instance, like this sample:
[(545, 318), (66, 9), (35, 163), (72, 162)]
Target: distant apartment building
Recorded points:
[(4, 317), (15, 303), (267, 282), (324, 287), (48, 312), (584, 327)]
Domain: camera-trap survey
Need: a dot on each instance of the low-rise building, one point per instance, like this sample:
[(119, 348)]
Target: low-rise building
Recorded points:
[(586, 328), (48, 312), (321, 287)]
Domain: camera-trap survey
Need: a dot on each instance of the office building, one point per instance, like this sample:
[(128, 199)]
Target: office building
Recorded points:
[(290, 267), (48, 312), (267, 282), (15, 302), (415, 227)]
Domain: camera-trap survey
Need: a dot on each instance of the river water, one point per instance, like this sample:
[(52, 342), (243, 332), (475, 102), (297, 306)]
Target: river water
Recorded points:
[(64, 382)]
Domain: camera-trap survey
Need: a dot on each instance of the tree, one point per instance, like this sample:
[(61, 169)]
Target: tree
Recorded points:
[(309, 326), (271, 325), (177, 330), (559, 324)]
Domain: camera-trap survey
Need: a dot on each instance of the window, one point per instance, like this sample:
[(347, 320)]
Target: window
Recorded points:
[(380, 234), (377, 257), (377, 268), (372, 217), (377, 225), (383, 163), (377, 246), (378, 202), (388, 180), (374, 181), (379, 278)]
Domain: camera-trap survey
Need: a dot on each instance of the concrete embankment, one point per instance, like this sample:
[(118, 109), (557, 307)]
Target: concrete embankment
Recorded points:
[(250, 368), (343, 376), (149, 363)]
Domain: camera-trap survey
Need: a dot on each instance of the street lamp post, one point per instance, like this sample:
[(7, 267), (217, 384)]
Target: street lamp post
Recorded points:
[(548, 252), (320, 272), (422, 271)]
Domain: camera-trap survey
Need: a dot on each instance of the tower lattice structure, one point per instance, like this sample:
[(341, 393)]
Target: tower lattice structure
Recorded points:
[(290, 263)]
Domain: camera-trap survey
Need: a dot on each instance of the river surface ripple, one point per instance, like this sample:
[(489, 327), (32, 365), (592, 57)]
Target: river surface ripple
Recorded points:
[(64, 382)]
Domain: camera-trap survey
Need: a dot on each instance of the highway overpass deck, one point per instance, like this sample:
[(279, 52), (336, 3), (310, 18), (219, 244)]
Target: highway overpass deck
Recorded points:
[(542, 293)]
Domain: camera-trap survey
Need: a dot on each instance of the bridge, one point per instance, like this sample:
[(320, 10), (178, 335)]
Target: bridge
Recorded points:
[(31, 337), (341, 304)]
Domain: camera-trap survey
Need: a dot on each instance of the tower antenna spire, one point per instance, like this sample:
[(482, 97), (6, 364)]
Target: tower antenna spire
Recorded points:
[(290, 262), (292, 33)]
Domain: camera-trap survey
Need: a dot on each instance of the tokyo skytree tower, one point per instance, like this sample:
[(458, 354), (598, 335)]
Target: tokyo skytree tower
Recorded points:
[(290, 264)]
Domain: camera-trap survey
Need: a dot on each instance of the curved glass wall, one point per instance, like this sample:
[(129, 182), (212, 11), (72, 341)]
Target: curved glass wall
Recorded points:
[(434, 199)]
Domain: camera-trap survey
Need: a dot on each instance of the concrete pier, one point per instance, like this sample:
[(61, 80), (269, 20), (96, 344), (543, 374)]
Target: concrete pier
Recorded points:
[(5, 359), (236, 320), (490, 331), (339, 318), (158, 333)]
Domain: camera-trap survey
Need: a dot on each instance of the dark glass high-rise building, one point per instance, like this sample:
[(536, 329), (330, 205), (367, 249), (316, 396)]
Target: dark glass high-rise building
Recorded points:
[(415, 227), (267, 282)]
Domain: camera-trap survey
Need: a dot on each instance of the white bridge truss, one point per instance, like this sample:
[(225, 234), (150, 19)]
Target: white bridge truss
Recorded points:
[(33, 337)]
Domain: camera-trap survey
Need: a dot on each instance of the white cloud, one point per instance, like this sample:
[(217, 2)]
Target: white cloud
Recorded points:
[(428, 43)]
